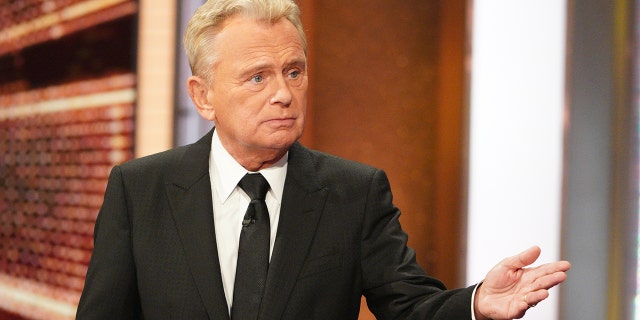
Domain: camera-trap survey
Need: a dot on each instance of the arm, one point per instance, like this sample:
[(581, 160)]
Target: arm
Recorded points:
[(110, 290), (395, 286)]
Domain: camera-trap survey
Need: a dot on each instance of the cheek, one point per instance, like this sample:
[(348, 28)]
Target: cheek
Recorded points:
[(239, 109), (301, 95), (246, 118)]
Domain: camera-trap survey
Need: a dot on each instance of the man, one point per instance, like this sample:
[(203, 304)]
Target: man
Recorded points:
[(169, 236)]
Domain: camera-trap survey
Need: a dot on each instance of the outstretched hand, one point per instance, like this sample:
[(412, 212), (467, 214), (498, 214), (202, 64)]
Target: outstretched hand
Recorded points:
[(510, 289)]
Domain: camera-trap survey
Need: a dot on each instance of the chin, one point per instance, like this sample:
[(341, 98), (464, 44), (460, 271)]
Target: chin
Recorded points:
[(284, 142)]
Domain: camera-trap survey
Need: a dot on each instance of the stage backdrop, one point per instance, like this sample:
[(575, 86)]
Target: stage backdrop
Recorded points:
[(67, 102)]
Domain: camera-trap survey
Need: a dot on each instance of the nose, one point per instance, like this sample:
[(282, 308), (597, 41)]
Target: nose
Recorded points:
[(282, 94)]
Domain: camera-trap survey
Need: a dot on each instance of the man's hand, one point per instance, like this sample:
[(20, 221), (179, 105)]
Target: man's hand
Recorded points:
[(510, 289)]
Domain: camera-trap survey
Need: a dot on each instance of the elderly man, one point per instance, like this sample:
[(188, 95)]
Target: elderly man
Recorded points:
[(248, 224)]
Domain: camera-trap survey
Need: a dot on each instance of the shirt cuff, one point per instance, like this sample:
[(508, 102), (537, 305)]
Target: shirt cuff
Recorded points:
[(473, 299)]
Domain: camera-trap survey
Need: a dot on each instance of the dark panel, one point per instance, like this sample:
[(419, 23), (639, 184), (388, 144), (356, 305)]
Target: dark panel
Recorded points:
[(376, 96)]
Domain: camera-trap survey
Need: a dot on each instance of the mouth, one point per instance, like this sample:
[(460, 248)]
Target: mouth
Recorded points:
[(281, 122)]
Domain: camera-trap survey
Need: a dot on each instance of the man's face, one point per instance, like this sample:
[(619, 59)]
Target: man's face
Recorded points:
[(258, 91)]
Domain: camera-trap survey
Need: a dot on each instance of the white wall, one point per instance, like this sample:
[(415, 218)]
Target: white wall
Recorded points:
[(516, 133)]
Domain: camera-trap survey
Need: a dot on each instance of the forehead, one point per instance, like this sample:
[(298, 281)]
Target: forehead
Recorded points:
[(244, 36)]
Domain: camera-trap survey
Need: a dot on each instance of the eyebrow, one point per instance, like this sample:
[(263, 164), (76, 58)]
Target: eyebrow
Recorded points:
[(296, 62)]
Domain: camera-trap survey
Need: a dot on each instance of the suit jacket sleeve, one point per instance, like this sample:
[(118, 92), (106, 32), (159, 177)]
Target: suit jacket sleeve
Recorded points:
[(110, 290), (394, 284)]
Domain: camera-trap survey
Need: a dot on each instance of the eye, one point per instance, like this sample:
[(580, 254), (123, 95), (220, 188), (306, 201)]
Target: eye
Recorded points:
[(258, 78), (295, 76)]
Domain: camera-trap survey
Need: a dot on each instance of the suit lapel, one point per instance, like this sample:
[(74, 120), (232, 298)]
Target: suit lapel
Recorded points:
[(189, 192), (302, 203)]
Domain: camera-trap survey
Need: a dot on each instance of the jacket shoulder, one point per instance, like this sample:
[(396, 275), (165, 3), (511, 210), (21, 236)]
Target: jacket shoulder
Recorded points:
[(332, 169), (192, 157), (157, 162), (323, 158)]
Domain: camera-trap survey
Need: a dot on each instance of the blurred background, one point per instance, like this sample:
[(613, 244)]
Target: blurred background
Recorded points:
[(501, 124)]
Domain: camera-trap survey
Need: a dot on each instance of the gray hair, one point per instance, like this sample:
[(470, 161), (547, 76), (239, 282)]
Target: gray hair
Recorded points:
[(207, 20)]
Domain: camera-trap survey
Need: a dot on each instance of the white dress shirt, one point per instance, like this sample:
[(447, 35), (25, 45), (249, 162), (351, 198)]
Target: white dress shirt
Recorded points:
[(230, 203)]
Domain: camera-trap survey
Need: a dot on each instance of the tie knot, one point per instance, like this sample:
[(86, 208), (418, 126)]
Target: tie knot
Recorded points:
[(255, 185)]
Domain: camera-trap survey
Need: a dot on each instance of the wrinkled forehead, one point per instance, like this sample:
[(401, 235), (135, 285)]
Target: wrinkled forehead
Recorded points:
[(248, 38), (262, 21)]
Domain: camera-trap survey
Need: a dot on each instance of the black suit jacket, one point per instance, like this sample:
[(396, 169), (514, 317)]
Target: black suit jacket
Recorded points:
[(155, 253)]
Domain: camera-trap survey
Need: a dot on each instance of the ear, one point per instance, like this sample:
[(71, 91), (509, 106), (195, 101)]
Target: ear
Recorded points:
[(199, 91)]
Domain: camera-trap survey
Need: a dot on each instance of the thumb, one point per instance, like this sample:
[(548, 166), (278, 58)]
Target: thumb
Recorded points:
[(522, 259)]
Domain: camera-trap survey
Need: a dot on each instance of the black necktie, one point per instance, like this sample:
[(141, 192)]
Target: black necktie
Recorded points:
[(253, 251)]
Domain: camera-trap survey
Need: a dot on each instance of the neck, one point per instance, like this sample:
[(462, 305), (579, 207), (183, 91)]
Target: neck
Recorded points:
[(256, 159), (256, 163)]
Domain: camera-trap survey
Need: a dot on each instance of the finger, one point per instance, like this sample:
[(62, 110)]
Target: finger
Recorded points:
[(551, 268), (522, 259), (548, 281), (539, 274), (531, 299), (539, 290)]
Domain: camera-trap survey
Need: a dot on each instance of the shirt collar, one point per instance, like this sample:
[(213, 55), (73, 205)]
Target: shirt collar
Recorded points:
[(228, 172)]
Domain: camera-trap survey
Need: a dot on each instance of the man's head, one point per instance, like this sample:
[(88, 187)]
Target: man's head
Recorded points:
[(250, 76)]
